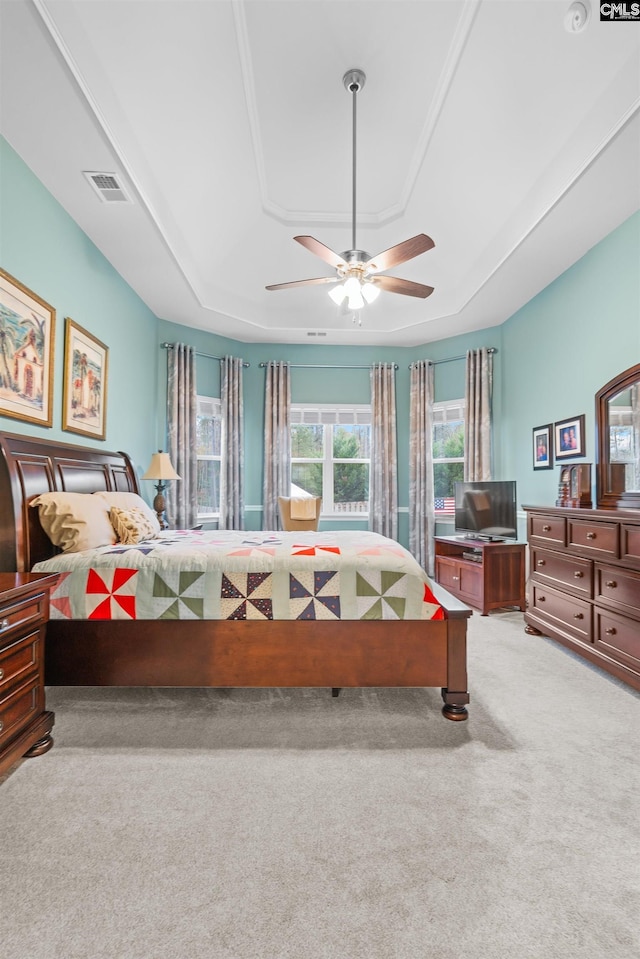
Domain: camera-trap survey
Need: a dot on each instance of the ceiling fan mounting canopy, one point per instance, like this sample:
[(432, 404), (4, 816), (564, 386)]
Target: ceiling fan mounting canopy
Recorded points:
[(354, 80), (356, 267)]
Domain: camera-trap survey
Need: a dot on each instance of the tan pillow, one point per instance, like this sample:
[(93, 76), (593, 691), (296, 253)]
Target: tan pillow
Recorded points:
[(74, 521), (130, 501), (132, 525)]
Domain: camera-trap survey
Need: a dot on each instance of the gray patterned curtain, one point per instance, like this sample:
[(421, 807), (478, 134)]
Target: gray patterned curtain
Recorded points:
[(277, 442), (421, 522), (181, 428), (383, 486), (232, 479), (478, 394)]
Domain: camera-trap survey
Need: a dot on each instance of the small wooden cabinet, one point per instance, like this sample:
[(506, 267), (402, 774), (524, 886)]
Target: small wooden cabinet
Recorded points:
[(484, 575), (25, 725), (584, 584)]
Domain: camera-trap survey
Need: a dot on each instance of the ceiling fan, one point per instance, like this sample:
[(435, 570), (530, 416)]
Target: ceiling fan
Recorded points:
[(358, 276)]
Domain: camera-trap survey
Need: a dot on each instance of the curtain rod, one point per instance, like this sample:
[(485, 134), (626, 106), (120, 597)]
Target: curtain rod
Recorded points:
[(208, 356), (450, 359), (312, 366)]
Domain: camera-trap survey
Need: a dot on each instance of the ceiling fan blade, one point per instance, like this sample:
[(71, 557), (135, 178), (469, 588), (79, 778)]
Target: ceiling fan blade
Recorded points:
[(287, 286), (400, 253), (315, 246), (392, 284)]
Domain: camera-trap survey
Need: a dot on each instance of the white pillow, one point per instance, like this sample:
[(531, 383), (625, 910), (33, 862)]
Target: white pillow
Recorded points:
[(75, 521), (129, 501)]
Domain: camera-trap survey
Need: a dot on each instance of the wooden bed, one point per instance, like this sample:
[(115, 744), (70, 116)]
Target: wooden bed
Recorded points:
[(216, 653)]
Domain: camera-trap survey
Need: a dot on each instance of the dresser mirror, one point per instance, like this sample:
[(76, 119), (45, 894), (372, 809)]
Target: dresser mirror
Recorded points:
[(618, 442)]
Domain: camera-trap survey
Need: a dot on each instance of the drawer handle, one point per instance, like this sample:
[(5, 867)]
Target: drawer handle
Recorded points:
[(1, 725), (611, 584), (1, 674), (542, 562), (578, 574), (591, 535), (611, 631), (4, 624), (541, 599), (546, 529), (578, 616), (456, 578)]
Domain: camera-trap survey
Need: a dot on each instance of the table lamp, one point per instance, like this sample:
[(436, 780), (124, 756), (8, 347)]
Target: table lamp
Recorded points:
[(161, 469)]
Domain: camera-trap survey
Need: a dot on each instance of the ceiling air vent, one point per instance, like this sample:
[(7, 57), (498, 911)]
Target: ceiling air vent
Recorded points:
[(108, 187)]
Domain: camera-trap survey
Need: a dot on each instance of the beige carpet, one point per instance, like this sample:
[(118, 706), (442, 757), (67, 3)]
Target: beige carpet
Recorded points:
[(264, 824)]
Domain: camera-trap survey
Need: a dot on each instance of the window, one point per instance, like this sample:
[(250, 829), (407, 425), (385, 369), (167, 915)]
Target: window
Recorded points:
[(330, 455), (448, 453), (209, 456)]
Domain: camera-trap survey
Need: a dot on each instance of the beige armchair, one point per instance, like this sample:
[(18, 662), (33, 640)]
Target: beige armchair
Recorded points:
[(284, 502)]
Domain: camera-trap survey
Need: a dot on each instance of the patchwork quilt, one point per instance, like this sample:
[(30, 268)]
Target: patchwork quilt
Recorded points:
[(230, 574)]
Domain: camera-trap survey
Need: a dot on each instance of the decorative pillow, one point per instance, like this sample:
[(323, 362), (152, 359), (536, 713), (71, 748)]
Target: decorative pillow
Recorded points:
[(132, 525), (130, 501), (75, 521)]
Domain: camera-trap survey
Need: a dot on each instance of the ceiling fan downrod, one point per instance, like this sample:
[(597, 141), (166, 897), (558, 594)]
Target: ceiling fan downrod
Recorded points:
[(354, 81)]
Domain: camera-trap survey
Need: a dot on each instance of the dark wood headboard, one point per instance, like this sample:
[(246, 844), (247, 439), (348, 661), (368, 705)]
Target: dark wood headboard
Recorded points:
[(30, 465)]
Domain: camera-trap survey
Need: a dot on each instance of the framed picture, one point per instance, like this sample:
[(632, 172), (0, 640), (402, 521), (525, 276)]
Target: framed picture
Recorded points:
[(543, 447), (84, 400), (569, 438), (27, 337)]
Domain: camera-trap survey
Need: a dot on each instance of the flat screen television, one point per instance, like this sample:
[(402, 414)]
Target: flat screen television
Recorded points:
[(486, 510)]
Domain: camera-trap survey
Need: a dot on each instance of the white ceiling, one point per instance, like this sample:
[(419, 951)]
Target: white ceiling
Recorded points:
[(511, 140)]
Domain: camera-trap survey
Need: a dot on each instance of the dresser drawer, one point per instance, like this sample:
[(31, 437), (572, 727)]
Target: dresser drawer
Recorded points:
[(571, 573), (599, 539), (19, 708), (561, 611), (619, 588), (547, 530), (630, 545), (618, 637), (19, 660), (23, 614)]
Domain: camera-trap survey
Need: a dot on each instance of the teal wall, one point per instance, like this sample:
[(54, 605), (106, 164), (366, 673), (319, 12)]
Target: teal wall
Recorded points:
[(553, 355), (562, 347), (43, 248)]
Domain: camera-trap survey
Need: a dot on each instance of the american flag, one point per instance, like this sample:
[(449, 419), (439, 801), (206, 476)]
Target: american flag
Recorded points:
[(444, 503)]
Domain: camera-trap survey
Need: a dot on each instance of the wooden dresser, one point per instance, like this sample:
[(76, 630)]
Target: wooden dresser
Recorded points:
[(584, 584), (25, 725)]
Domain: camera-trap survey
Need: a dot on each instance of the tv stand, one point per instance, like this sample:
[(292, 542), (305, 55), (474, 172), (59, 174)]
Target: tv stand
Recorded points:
[(494, 580)]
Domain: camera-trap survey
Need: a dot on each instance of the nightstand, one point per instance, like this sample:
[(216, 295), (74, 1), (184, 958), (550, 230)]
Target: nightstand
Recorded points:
[(25, 725)]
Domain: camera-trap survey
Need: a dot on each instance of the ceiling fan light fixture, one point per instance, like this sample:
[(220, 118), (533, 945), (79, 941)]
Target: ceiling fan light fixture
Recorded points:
[(370, 292), (355, 300), (338, 294)]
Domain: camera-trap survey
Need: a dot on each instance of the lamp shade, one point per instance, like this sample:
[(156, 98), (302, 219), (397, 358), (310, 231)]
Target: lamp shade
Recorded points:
[(160, 468)]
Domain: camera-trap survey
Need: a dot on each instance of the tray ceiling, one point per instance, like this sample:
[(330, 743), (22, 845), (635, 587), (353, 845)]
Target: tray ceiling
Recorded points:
[(509, 137)]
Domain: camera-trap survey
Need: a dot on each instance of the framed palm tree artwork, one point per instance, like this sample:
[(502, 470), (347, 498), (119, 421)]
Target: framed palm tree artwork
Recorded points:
[(27, 337), (84, 397)]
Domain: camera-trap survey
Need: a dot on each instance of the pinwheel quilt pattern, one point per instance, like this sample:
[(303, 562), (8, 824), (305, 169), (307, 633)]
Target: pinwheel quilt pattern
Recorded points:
[(236, 575)]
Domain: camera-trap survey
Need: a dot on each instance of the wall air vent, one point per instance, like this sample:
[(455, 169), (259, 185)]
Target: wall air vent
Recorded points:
[(107, 186)]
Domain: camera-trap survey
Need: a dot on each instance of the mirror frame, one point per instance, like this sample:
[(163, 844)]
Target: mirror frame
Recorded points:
[(606, 498)]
